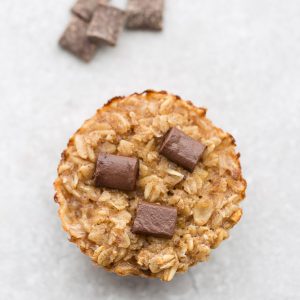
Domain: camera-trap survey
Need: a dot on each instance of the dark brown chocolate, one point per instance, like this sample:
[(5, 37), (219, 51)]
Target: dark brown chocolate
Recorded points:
[(181, 149), (156, 220), (84, 9), (75, 40), (116, 172), (145, 14), (106, 24)]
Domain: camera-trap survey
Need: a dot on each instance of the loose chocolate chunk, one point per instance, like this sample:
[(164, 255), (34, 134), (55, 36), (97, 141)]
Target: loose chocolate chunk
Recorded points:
[(145, 14), (154, 219), (116, 172), (74, 40), (84, 9), (181, 149), (106, 24)]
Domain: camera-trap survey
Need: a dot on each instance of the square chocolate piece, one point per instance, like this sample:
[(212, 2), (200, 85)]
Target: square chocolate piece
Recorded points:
[(181, 149), (84, 9), (156, 220), (145, 14), (75, 40), (116, 172), (106, 24)]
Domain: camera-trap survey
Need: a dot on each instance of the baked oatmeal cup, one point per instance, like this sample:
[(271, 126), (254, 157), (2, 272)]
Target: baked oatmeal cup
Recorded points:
[(149, 186)]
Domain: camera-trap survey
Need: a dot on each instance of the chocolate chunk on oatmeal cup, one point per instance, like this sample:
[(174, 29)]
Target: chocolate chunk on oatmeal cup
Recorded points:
[(116, 172), (106, 24), (145, 14), (84, 9), (75, 40), (156, 220), (101, 221), (181, 149)]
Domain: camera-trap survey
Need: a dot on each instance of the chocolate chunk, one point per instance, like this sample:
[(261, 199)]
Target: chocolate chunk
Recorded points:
[(154, 219), (181, 149), (84, 9), (106, 24), (116, 172), (74, 40), (145, 14)]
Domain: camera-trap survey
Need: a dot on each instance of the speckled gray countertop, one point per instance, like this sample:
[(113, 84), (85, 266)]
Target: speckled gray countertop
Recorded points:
[(238, 58)]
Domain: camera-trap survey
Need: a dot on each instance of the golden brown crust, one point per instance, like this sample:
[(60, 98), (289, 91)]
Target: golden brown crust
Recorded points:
[(99, 220)]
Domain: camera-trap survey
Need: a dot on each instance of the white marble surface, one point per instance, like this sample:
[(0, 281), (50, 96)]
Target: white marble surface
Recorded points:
[(238, 58)]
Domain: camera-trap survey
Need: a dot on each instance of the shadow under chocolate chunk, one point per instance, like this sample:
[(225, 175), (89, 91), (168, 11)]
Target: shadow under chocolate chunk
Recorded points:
[(145, 14), (84, 9), (106, 24), (75, 40)]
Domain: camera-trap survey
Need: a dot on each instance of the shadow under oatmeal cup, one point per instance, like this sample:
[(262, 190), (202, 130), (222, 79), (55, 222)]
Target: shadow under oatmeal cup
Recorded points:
[(148, 186)]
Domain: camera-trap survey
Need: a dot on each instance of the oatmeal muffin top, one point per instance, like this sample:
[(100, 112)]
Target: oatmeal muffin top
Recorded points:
[(100, 219)]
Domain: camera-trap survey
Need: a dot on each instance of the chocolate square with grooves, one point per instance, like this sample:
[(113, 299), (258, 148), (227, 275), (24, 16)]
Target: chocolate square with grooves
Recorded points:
[(84, 9), (75, 40), (156, 220), (145, 14), (106, 24)]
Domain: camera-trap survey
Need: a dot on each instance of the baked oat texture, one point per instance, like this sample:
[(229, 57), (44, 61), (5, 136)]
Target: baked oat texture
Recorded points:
[(99, 220)]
